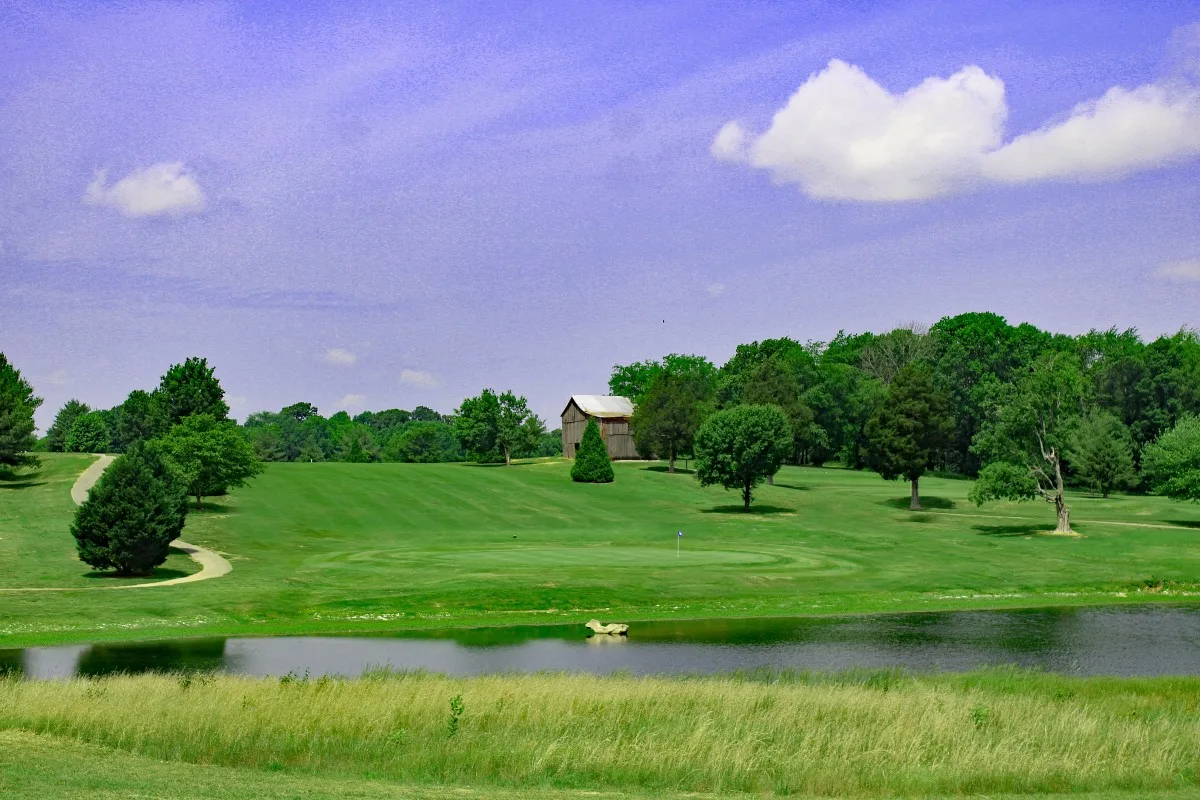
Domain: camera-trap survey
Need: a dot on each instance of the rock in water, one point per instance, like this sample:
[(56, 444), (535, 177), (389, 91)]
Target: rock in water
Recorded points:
[(613, 628)]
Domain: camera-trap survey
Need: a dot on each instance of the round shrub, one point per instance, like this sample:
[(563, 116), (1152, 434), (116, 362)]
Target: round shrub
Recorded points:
[(592, 464)]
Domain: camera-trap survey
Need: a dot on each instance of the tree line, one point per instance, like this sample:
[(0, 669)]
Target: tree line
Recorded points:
[(1026, 411)]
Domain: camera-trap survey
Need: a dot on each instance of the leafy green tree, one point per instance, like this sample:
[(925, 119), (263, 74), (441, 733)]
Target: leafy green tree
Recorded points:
[(517, 428), (191, 388), (425, 414), (549, 444), (592, 463), (666, 421), (17, 405), (477, 423), (89, 434), (1029, 425), (423, 443), (208, 455), (358, 445), (634, 380), (131, 515), (908, 427), (138, 419), (886, 355), (61, 428), (738, 448), (1101, 452), (1172, 463)]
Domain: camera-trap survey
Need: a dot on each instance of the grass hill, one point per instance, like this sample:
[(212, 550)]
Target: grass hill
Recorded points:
[(332, 546)]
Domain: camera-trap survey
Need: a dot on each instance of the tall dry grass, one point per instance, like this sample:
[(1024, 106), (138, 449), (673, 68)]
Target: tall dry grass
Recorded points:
[(884, 733)]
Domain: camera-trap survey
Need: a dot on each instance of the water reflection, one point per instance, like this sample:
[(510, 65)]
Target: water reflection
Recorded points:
[(1119, 641)]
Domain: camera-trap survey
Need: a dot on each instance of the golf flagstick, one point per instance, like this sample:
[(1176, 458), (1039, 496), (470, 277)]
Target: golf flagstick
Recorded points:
[(678, 536)]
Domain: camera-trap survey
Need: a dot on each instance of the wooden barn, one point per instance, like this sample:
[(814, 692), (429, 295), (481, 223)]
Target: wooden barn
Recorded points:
[(611, 414)]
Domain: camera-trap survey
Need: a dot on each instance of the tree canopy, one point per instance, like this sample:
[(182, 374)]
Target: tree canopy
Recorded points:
[(1101, 452), (56, 436), (908, 427), (191, 388), (740, 447), (666, 421), (1172, 463), (208, 455), (495, 427)]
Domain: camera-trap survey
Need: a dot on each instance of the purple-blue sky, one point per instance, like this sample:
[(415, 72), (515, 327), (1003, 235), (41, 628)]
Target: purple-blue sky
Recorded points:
[(371, 205)]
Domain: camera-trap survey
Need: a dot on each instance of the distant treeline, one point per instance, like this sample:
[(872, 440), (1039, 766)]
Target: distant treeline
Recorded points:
[(831, 390)]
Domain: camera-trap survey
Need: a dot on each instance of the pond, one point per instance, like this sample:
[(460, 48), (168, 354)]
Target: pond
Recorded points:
[(1084, 641)]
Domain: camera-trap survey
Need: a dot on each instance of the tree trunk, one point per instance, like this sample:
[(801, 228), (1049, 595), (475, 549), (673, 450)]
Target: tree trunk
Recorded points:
[(746, 497), (507, 457), (771, 479), (1060, 500), (199, 499), (914, 504), (671, 461)]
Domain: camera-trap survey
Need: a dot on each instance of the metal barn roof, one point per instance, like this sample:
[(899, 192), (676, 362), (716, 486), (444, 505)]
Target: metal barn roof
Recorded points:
[(595, 405)]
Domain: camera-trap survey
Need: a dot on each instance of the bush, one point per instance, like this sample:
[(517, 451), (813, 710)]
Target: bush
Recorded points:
[(592, 464), (132, 515)]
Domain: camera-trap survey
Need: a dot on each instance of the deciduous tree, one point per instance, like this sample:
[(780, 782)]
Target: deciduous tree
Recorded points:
[(665, 422), (209, 455), (739, 447), (1172, 463), (191, 388), (89, 434)]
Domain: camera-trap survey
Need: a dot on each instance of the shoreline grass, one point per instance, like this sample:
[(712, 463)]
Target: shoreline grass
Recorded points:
[(862, 733)]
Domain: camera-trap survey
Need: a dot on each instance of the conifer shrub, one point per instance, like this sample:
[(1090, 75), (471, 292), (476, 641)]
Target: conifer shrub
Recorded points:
[(131, 515), (592, 464)]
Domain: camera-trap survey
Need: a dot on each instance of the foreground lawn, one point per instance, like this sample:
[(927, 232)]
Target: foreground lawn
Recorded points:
[(337, 547), (549, 736)]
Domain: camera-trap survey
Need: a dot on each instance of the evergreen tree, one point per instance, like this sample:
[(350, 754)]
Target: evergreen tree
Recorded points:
[(740, 447), (88, 434), (132, 514), (57, 435), (908, 427), (17, 405), (1101, 452), (592, 464)]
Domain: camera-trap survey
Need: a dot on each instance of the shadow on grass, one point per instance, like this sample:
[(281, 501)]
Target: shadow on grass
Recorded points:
[(1009, 530), (939, 503), (754, 509), (21, 482), (208, 508), (156, 574), (921, 519), (792, 486), (1185, 523), (662, 468)]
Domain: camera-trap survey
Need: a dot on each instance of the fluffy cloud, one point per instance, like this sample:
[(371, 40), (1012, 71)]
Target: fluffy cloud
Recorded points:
[(843, 136), (1180, 271), (352, 401), (715, 289), (423, 380), (158, 189), (339, 357)]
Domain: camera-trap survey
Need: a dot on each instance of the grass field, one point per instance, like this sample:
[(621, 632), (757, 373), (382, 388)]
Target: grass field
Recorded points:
[(340, 547), (867, 734)]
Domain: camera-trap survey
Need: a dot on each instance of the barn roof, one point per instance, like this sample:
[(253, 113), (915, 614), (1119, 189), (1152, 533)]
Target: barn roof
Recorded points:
[(595, 405)]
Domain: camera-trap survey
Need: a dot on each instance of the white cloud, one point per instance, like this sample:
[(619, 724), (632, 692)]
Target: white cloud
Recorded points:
[(339, 357), (715, 289), (1122, 132), (843, 136), (424, 380), (1180, 271), (164, 188), (352, 401)]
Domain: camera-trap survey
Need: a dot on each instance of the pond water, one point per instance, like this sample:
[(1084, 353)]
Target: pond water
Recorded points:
[(1087, 641)]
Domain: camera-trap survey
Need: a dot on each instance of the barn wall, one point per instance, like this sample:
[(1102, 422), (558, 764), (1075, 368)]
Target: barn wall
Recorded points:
[(618, 438), (573, 423)]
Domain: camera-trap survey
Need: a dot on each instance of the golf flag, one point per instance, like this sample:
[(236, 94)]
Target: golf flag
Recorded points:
[(679, 532)]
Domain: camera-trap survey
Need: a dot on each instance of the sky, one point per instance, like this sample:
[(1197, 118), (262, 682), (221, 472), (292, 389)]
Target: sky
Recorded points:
[(378, 205)]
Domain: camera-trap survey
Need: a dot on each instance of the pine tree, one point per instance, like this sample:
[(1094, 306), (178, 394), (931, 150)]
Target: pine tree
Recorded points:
[(17, 405), (63, 422), (1101, 453), (907, 427), (132, 514), (592, 464)]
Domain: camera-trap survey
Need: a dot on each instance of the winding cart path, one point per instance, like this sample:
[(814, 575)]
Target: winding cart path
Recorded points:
[(211, 564)]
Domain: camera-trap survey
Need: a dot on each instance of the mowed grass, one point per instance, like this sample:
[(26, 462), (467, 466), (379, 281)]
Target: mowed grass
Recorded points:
[(870, 734), (341, 547)]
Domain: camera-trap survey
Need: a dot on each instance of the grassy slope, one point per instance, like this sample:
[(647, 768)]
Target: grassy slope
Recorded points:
[(867, 734), (341, 547)]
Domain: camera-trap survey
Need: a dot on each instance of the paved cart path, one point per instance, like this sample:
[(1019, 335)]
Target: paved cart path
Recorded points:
[(211, 564)]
